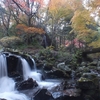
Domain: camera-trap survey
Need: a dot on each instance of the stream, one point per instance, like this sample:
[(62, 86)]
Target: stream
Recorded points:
[(7, 84)]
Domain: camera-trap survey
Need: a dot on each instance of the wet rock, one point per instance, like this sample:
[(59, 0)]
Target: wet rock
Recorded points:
[(68, 94), (2, 99), (13, 64), (43, 94), (28, 84), (16, 76)]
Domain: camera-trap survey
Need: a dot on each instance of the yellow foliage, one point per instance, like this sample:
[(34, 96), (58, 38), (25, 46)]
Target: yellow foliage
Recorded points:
[(95, 44), (59, 9), (80, 20)]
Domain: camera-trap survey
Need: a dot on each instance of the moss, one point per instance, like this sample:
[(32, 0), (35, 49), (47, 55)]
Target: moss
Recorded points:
[(82, 79)]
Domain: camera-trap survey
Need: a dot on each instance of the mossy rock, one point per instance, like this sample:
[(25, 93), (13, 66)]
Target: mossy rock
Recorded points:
[(88, 81), (10, 42)]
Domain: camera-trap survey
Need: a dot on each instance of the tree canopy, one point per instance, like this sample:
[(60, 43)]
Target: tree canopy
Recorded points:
[(57, 18)]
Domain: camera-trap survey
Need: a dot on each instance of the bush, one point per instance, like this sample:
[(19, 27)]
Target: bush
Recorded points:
[(10, 42)]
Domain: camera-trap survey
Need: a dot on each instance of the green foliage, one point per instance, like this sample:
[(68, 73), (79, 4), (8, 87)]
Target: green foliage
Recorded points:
[(76, 58), (12, 30)]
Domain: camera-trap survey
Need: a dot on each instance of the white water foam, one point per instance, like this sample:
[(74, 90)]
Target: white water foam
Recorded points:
[(28, 73), (43, 84), (26, 69), (34, 64), (7, 85), (7, 90)]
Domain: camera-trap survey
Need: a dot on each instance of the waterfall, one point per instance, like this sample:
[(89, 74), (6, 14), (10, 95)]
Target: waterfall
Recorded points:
[(73, 78), (7, 85), (34, 64), (26, 68), (3, 65), (34, 67)]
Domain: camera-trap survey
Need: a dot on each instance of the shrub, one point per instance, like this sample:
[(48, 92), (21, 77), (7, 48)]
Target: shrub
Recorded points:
[(10, 42)]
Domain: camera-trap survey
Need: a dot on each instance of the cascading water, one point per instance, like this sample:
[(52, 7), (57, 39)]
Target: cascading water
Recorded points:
[(28, 73), (3, 66), (26, 68), (73, 78), (34, 64), (7, 85)]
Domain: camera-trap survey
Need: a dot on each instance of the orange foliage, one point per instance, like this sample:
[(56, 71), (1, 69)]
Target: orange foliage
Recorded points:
[(32, 30), (29, 30)]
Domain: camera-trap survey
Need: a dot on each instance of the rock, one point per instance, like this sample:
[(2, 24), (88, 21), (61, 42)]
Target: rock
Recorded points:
[(98, 68), (13, 65), (98, 63), (94, 63), (89, 84), (64, 67), (68, 94), (48, 67), (88, 81), (28, 84), (83, 64), (71, 98), (81, 70), (55, 73), (16, 76), (43, 94), (61, 65), (2, 99)]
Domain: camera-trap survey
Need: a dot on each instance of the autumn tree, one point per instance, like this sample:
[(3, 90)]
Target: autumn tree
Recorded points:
[(84, 26), (59, 15), (94, 8), (28, 8), (28, 33)]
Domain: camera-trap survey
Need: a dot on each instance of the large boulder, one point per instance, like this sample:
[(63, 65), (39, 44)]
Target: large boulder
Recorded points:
[(43, 94), (89, 84), (88, 81)]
